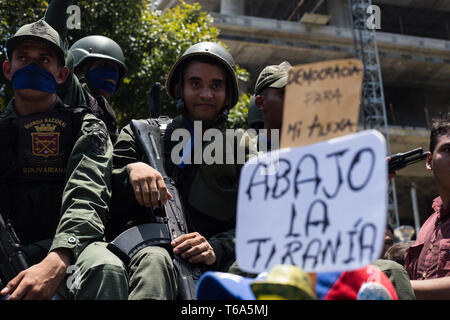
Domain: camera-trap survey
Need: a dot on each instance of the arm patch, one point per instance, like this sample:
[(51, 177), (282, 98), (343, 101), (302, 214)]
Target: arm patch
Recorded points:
[(98, 142)]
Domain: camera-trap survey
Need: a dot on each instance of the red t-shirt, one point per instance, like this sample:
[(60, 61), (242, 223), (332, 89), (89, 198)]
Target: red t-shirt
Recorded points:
[(429, 257)]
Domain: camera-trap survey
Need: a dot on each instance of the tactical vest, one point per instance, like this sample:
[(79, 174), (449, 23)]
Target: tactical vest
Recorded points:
[(34, 161), (209, 192)]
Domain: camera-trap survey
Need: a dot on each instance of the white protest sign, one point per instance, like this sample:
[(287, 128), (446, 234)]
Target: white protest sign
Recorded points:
[(323, 210)]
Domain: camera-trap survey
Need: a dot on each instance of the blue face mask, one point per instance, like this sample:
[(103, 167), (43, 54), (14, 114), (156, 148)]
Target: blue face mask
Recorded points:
[(97, 78), (34, 77)]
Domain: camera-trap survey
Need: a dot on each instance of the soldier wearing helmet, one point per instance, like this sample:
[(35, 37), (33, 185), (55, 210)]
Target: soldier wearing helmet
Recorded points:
[(204, 85), (99, 64), (97, 61)]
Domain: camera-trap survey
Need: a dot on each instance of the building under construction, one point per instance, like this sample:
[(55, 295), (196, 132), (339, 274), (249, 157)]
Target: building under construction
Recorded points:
[(413, 46)]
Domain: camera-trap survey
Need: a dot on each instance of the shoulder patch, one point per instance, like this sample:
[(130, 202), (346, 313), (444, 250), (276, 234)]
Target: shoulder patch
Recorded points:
[(99, 142), (97, 133)]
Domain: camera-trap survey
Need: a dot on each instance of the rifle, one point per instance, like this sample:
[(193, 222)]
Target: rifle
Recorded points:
[(400, 160), (169, 220), (12, 258)]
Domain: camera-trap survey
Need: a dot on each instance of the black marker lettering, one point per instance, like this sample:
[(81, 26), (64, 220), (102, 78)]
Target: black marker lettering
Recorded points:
[(324, 221), (315, 178), (356, 159)]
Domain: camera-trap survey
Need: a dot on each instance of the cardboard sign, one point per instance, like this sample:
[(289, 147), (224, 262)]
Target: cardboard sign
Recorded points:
[(321, 101), (321, 207)]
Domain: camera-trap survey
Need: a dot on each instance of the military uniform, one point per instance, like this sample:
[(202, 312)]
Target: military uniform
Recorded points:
[(209, 196), (208, 192), (55, 189), (55, 181)]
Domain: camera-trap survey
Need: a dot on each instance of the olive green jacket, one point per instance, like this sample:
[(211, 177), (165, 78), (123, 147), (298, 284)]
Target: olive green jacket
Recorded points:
[(87, 190)]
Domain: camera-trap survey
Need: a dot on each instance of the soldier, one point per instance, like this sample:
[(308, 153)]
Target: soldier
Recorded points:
[(97, 61), (55, 170), (204, 84), (269, 98)]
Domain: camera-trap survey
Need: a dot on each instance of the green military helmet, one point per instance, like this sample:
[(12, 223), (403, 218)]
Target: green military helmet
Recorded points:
[(254, 117), (98, 47), (211, 49)]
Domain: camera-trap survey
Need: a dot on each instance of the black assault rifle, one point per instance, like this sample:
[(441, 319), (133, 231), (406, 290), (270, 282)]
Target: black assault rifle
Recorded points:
[(12, 258), (400, 160), (169, 220)]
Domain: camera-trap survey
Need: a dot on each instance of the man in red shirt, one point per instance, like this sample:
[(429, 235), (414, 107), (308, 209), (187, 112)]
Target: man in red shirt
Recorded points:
[(428, 260)]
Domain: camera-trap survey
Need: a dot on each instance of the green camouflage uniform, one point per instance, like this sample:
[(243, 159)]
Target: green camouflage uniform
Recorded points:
[(84, 203)]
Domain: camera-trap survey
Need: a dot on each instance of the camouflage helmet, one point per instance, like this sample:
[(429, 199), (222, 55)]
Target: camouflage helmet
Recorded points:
[(254, 118), (210, 49), (98, 47)]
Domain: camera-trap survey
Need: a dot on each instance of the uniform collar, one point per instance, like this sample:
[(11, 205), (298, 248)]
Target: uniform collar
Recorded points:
[(11, 112)]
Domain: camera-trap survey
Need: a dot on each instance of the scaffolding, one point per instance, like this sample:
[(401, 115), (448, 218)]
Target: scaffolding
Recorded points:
[(373, 108)]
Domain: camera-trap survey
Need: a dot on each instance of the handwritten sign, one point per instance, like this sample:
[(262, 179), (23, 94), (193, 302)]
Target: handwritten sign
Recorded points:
[(321, 101), (323, 208)]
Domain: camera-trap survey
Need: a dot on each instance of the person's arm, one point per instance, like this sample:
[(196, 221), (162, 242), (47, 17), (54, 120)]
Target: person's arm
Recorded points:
[(145, 181), (41, 280), (432, 289), (87, 193)]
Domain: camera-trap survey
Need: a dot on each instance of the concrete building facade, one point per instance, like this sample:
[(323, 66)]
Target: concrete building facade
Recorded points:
[(414, 50)]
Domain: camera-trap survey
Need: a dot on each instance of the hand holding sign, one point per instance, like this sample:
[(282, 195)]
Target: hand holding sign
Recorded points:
[(324, 208)]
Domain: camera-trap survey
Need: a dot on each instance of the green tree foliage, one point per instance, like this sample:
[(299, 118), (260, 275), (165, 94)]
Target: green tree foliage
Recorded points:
[(151, 41), (237, 118), (14, 13)]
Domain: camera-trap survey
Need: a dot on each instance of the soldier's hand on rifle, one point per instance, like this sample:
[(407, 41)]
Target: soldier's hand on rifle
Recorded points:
[(147, 183), (40, 281), (195, 248)]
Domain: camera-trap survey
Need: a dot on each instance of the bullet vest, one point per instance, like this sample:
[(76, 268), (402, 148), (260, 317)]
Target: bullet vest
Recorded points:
[(33, 162)]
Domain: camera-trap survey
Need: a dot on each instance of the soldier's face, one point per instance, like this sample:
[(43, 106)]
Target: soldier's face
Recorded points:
[(28, 52), (204, 90), (439, 162), (270, 102)]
